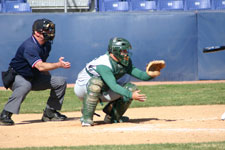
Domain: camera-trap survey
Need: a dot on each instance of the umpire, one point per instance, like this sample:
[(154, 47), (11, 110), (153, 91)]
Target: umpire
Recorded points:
[(31, 69)]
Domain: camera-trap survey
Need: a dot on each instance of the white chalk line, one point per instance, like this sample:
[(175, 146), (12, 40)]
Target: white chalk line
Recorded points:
[(153, 128)]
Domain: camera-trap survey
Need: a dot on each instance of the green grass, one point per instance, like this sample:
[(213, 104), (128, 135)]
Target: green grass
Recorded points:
[(158, 95), (183, 94), (188, 146)]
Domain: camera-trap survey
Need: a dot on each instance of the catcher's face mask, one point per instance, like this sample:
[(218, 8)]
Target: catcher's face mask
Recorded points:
[(45, 27), (120, 47)]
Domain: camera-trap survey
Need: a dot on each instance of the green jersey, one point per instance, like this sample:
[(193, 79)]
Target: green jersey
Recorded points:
[(110, 71)]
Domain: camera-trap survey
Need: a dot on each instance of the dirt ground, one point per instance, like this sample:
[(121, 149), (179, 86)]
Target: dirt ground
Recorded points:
[(182, 124), (147, 125)]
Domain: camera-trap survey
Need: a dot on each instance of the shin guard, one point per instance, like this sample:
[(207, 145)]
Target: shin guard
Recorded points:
[(116, 109), (91, 99)]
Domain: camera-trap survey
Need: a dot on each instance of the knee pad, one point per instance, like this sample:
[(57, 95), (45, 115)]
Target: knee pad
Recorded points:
[(94, 87)]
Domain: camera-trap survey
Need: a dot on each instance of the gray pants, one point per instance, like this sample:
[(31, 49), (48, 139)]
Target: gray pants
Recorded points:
[(81, 90), (21, 87)]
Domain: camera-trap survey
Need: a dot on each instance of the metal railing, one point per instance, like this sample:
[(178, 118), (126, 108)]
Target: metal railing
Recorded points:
[(59, 4)]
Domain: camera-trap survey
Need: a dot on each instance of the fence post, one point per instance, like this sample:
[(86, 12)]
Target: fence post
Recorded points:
[(65, 6)]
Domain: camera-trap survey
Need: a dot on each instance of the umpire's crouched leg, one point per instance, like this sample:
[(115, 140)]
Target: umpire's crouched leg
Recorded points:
[(58, 90), (57, 85)]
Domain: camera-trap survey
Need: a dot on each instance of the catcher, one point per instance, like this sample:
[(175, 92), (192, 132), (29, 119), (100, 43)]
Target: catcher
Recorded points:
[(97, 82)]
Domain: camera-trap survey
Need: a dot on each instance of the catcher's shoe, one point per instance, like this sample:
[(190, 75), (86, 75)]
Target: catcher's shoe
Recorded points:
[(52, 115), (86, 122), (223, 116), (5, 118), (124, 119), (108, 119)]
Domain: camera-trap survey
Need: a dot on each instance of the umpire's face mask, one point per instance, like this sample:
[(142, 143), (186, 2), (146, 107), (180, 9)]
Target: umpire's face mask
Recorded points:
[(49, 31)]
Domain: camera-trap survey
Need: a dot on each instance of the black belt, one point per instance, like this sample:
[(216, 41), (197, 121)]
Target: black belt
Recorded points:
[(27, 78)]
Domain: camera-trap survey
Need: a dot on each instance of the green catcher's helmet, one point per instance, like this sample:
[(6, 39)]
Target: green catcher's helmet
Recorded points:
[(120, 47)]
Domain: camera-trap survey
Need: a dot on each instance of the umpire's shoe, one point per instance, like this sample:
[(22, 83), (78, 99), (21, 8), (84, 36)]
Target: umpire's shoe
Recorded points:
[(5, 118), (52, 115)]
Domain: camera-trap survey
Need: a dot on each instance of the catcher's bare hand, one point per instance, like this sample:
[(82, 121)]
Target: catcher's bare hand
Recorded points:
[(154, 67), (137, 96), (64, 64)]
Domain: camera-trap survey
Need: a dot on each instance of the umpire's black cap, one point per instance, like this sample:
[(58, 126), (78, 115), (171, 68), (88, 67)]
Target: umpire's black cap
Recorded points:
[(41, 24)]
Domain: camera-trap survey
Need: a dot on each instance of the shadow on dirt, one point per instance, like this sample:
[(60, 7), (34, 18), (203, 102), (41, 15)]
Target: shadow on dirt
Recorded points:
[(148, 119), (141, 120), (40, 121)]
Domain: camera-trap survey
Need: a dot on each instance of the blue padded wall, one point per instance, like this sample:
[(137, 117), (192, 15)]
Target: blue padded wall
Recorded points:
[(211, 32), (80, 37)]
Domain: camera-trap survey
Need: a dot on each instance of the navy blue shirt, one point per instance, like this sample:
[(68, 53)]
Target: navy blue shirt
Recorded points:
[(28, 54)]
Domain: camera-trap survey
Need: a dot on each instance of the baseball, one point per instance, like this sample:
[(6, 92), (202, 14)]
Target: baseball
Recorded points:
[(223, 116)]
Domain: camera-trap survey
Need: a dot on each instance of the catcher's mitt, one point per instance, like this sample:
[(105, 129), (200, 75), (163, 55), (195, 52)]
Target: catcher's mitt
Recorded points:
[(153, 68)]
